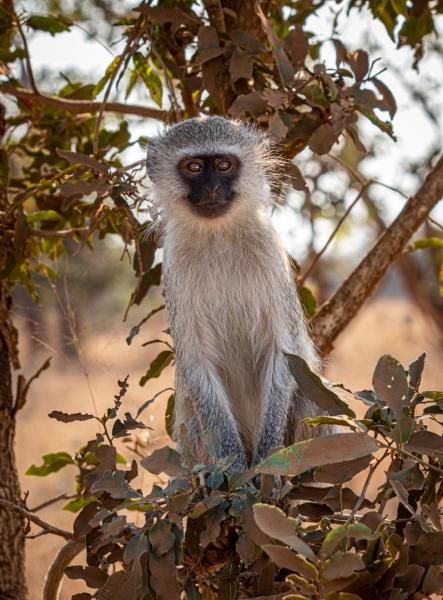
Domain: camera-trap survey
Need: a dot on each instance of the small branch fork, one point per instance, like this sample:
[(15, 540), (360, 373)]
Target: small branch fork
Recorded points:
[(46, 527)]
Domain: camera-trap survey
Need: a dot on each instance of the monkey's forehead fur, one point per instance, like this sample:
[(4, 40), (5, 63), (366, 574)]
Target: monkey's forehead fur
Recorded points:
[(209, 135)]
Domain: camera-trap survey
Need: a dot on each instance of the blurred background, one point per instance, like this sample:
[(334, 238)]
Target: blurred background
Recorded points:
[(79, 321)]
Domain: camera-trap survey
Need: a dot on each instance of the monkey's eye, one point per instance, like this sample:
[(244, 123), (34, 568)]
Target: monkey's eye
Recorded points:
[(195, 167), (223, 165)]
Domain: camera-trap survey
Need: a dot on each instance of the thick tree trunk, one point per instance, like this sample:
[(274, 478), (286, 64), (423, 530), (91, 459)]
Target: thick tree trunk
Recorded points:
[(12, 542)]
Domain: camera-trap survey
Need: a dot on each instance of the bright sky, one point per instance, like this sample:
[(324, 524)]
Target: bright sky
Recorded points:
[(415, 131)]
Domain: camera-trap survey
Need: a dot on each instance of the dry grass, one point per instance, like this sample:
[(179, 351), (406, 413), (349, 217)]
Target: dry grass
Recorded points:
[(394, 327)]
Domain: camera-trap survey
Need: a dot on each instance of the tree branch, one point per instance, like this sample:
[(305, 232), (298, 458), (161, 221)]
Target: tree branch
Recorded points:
[(342, 307), (45, 526), (55, 573), (215, 14), (63, 233), (80, 106)]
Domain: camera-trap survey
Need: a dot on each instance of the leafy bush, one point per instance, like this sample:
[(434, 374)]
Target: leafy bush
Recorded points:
[(303, 533)]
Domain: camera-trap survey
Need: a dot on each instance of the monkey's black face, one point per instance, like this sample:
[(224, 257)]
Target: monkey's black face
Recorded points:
[(210, 179)]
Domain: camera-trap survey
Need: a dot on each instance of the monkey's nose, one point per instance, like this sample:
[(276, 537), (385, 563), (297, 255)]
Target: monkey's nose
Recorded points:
[(211, 190)]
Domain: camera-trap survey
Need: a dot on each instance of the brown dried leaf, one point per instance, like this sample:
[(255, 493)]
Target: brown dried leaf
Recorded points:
[(314, 511), (92, 576), (274, 98), (283, 64), (79, 187), (163, 578), (113, 528), (390, 383), (76, 158), (323, 139), (245, 548), (429, 549), (296, 42), (342, 472), (277, 128), (425, 442), (274, 523), (112, 589), (81, 524), (287, 559), (115, 484), (343, 564), (241, 65), (433, 581), (410, 580), (387, 97), (207, 37), (66, 418), (359, 63), (161, 538), (253, 103), (243, 509), (213, 517), (248, 42), (340, 51), (163, 460), (208, 54)]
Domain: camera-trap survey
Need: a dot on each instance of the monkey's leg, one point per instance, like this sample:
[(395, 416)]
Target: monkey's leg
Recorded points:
[(212, 409), (276, 407)]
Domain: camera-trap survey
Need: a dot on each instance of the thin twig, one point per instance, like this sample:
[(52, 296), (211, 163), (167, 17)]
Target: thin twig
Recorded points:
[(26, 513), (177, 109), (64, 233), (365, 487), (434, 222), (331, 237), (121, 59), (63, 496), (27, 57)]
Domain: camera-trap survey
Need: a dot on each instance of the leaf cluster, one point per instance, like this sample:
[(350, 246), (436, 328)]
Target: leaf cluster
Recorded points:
[(292, 525)]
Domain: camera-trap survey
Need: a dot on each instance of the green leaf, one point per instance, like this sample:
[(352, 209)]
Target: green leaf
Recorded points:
[(149, 77), (6, 56), (386, 127), (403, 429), (76, 505), (357, 531), (157, 366), (433, 395), (44, 215), (169, 416), (314, 389), (309, 302), (51, 464), (148, 402), (51, 24), (106, 77), (330, 449), (432, 242)]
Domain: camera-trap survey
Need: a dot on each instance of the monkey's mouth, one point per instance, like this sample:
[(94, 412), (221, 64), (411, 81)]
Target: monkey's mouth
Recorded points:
[(212, 209)]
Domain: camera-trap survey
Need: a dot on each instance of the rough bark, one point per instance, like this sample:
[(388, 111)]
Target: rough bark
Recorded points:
[(215, 14), (12, 542), (341, 308)]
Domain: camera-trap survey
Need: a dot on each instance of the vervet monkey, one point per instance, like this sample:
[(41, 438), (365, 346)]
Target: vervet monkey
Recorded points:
[(229, 292)]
